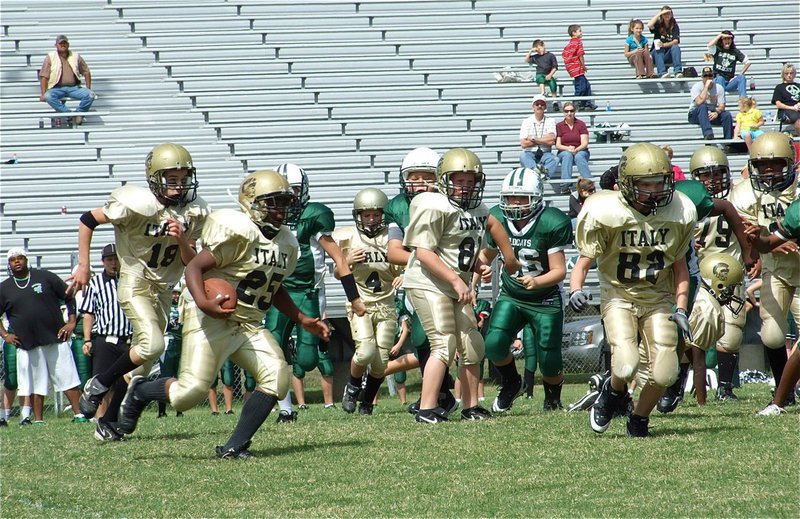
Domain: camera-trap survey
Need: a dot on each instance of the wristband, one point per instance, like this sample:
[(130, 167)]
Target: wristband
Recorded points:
[(350, 288)]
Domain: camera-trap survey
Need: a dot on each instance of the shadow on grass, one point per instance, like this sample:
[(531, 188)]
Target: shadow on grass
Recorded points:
[(306, 447), (682, 430)]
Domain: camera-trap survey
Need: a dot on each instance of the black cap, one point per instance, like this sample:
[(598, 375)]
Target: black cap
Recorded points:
[(109, 250), (61, 38), (707, 71)]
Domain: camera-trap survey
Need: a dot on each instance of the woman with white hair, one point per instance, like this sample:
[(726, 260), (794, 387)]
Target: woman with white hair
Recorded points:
[(786, 97)]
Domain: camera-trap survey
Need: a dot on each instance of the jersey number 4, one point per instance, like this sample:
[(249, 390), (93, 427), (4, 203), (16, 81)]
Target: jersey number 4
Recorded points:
[(250, 285), (629, 271)]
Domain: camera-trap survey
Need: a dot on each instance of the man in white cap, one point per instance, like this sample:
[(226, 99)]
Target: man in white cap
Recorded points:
[(537, 135), (31, 301)]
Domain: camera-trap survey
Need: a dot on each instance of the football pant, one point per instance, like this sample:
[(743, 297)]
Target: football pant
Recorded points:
[(731, 340), (373, 334), (306, 356), (776, 301), (147, 308)]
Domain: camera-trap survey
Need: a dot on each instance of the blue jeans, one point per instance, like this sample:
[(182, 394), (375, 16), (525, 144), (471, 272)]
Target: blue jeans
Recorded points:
[(580, 159), (528, 160), (582, 88), (699, 115), (663, 56), (55, 96), (738, 82)]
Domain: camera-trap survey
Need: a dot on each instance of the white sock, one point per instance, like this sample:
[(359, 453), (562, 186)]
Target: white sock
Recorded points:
[(286, 403), (6, 414), (25, 412)]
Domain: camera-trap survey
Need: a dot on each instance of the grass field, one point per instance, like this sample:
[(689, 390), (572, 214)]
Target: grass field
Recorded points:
[(714, 461)]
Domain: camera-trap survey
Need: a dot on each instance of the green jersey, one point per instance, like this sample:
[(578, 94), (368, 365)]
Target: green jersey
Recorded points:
[(315, 220), (704, 204), (397, 216), (790, 227), (548, 232)]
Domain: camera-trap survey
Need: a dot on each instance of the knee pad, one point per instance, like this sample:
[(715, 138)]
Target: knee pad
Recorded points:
[(624, 363), (298, 371), (497, 343), (551, 363), (185, 396), (228, 373), (365, 352), (249, 382), (307, 356), (665, 369), (731, 340), (773, 333), (400, 377), (325, 366)]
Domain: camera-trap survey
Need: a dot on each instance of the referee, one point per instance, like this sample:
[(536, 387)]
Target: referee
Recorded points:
[(107, 336)]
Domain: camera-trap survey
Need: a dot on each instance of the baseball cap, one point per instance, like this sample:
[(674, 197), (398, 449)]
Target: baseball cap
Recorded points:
[(109, 250), (61, 38), (539, 97), (13, 252), (707, 71)]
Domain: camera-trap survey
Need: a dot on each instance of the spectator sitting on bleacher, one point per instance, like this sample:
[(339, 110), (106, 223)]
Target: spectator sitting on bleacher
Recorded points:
[(59, 78), (708, 106), (748, 121), (786, 97), (637, 51), (725, 54), (666, 42), (546, 67), (536, 137), (677, 172), (609, 179), (572, 143), (584, 188)]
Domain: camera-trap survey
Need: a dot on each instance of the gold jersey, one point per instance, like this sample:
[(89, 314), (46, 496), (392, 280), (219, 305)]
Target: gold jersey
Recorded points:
[(706, 321), (713, 234), (455, 234), (374, 275), (140, 231), (254, 264), (766, 210), (634, 252)]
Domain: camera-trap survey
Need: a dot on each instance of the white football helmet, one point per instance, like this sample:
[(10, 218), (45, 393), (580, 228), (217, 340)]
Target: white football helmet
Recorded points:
[(521, 182), (418, 159), (297, 178)]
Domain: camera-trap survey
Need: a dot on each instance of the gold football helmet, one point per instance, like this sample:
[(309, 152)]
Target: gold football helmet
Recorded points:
[(709, 165), (773, 162), (269, 201), (645, 162), (721, 274), (460, 160), (366, 199), (423, 160), (166, 157), (521, 182)]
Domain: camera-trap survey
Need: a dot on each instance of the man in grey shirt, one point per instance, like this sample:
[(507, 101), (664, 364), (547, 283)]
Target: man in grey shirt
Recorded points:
[(708, 107)]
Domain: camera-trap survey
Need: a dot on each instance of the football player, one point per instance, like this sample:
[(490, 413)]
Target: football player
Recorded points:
[(721, 277), (531, 295), (702, 195), (313, 232), (254, 251), (445, 234), (714, 235), (639, 237), (155, 231), (784, 240), (365, 247), (763, 202)]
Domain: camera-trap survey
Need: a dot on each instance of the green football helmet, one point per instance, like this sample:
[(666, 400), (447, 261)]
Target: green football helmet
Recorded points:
[(460, 160), (709, 165), (721, 274), (773, 162), (370, 199), (521, 182), (164, 158), (269, 201), (646, 162)]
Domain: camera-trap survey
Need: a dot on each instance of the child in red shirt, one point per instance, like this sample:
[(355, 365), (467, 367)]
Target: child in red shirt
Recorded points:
[(573, 62)]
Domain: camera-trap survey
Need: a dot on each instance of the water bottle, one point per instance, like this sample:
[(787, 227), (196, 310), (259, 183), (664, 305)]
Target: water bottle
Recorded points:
[(752, 83), (608, 106), (13, 159), (41, 122)]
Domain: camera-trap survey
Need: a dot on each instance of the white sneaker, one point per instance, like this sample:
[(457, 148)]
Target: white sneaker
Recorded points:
[(666, 74), (771, 410), (679, 75)]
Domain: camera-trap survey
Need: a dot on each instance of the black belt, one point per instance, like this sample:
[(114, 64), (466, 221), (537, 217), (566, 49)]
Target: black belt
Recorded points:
[(115, 339)]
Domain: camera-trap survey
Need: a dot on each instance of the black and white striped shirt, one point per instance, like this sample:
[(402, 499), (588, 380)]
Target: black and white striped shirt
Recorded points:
[(102, 302)]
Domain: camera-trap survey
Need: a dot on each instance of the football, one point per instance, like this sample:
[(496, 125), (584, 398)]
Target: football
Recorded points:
[(217, 286)]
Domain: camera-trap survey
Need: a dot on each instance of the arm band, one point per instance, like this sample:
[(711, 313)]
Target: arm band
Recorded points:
[(350, 288), (89, 220)]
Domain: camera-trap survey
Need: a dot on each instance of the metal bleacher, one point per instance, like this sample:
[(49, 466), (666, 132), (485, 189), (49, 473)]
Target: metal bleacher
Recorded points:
[(341, 87)]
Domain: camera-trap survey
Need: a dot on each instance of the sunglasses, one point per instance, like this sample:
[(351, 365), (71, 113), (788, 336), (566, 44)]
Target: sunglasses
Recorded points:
[(569, 111), (539, 104)]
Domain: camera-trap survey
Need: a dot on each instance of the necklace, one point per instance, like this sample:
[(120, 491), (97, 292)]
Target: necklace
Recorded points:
[(27, 280)]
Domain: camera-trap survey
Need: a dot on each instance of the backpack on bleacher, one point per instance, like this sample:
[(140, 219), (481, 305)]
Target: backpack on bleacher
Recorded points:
[(689, 72)]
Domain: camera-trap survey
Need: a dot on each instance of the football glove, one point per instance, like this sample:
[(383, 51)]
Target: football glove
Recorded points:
[(681, 318), (578, 300)]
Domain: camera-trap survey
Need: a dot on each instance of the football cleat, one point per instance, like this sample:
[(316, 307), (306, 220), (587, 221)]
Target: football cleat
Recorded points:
[(365, 408), (508, 393), (771, 410), (131, 407), (234, 453), (414, 407), (350, 398), (608, 405), (26, 421), (106, 432), (286, 417), (447, 402), (584, 402), (303, 407), (92, 395), (475, 413), (725, 393), (3, 422), (638, 426), (674, 394), (552, 405), (430, 416), (79, 418)]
